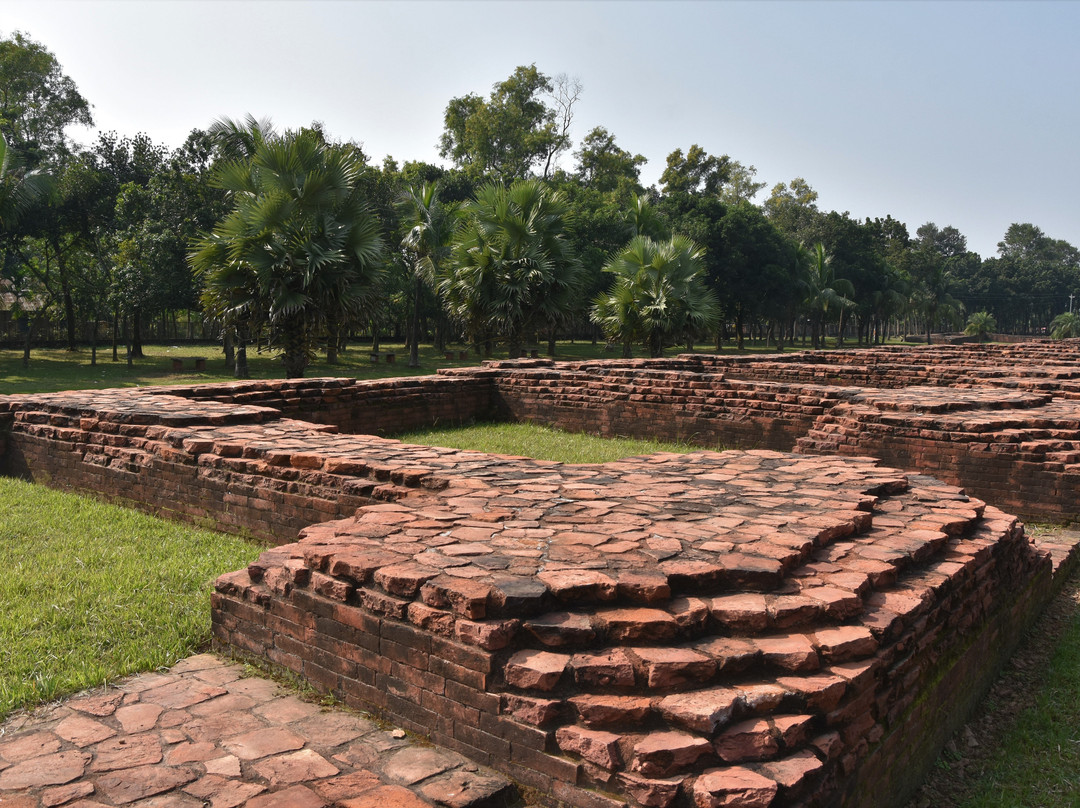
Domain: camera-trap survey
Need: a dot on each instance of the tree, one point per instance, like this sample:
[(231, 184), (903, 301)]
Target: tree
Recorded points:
[(947, 241), (824, 291), (793, 209), (695, 172), (740, 185), (37, 102), (514, 131), (1065, 326), (512, 269), (18, 187), (933, 291), (658, 294), (431, 224), (748, 268), (300, 251), (982, 325), (604, 166)]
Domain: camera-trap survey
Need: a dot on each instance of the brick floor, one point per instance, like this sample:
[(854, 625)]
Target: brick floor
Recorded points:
[(204, 734)]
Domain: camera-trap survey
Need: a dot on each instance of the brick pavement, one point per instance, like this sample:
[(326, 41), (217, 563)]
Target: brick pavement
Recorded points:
[(204, 734)]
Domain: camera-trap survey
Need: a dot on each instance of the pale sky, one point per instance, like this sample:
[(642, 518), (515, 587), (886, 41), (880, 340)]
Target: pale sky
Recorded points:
[(960, 113)]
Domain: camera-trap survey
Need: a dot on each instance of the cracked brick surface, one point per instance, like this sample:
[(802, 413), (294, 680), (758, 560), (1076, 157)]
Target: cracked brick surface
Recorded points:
[(202, 733)]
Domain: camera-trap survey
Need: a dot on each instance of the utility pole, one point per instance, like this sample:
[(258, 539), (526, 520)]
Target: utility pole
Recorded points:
[(1071, 296)]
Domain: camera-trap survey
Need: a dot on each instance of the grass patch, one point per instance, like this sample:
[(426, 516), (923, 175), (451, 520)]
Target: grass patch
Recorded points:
[(1037, 762), (93, 592), (55, 369), (541, 442)]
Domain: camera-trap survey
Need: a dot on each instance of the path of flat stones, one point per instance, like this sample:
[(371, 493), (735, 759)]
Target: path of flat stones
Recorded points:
[(203, 734)]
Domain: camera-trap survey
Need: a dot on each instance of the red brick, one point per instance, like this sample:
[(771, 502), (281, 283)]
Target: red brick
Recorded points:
[(535, 670), (662, 754), (595, 746), (733, 786)]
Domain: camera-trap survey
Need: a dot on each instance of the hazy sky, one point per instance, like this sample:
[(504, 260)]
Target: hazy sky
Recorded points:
[(961, 113)]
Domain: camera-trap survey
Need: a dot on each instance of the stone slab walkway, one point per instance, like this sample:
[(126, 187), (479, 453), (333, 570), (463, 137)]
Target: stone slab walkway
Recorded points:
[(203, 734)]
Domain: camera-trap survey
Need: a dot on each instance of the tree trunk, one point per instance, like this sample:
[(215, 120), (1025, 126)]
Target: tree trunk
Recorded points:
[(68, 298), (240, 369), (374, 335), (294, 357), (93, 337), (414, 324), (27, 340), (115, 336), (136, 334), (551, 343), (332, 339)]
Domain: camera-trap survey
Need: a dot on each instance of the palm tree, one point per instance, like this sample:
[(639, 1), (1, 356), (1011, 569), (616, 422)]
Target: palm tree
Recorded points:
[(981, 324), (18, 188), (658, 294), (300, 250), (824, 291), (933, 296), (1065, 326), (511, 269), (644, 220), (428, 241)]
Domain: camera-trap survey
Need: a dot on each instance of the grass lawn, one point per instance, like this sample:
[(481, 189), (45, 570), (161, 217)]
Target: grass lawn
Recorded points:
[(53, 369), (541, 442), (92, 592)]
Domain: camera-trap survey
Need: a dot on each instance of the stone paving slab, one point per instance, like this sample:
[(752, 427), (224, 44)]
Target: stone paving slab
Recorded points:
[(205, 734)]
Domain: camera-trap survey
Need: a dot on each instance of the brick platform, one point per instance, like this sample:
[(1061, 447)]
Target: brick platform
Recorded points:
[(750, 628)]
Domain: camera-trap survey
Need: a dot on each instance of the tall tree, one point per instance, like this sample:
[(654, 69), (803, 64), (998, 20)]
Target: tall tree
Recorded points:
[(37, 102), (300, 251), (824, 292), (793, 209), (697, 171), (18, 187), (431, 224), (512, 270), (604, 166), (512, 133)]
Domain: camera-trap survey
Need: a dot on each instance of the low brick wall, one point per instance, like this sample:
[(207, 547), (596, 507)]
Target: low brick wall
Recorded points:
[(214, 456)]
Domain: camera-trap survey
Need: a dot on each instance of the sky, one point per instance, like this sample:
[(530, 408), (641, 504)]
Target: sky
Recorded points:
[(961, 113)]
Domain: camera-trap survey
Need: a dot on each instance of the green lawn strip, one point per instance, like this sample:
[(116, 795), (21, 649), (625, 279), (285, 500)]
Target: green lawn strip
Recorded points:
[(92, 592), (54, 369), (1038, 760), (540, 442)]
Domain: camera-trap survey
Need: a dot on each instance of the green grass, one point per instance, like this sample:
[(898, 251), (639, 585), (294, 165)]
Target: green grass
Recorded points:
[(540, 442), (92, 592), (53, 369), (1038, 760)]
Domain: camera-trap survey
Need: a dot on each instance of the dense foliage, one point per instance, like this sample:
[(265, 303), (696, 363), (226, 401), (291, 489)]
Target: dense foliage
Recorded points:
[(296, 242)]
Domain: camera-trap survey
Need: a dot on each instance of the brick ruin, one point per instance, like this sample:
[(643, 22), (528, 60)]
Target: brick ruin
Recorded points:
[(752, 627)]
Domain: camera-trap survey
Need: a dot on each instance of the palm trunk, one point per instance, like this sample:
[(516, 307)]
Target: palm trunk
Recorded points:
[(414, 330), (294, 357), (333, 338)]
